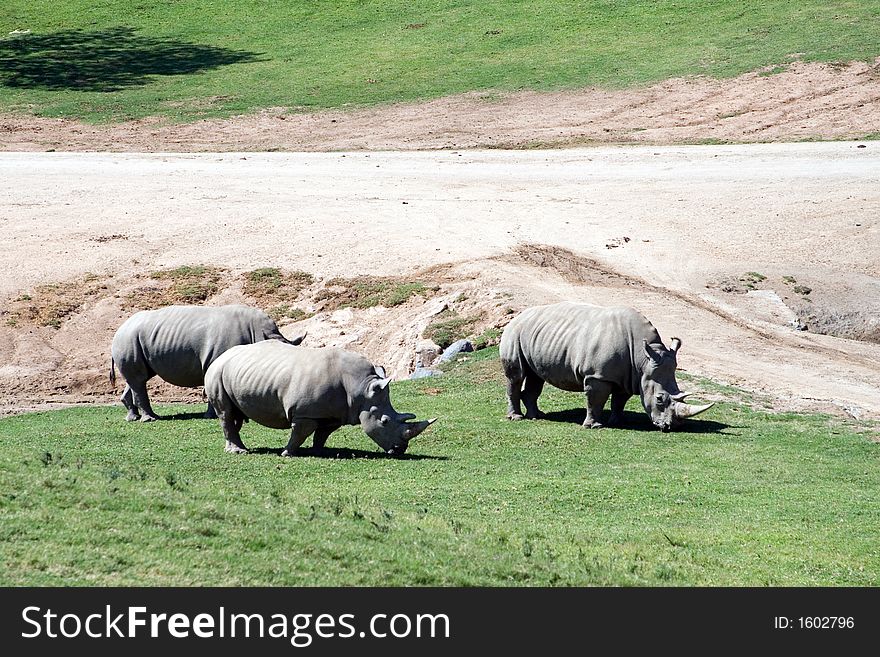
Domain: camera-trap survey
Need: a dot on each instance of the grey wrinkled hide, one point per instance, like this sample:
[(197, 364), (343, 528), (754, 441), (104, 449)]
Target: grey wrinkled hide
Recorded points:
[(307, 391), (178, 344), (600, 351)]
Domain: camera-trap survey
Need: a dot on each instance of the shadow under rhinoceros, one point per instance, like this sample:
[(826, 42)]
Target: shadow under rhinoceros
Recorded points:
[(346, 453), (189, 415), (636, 421)]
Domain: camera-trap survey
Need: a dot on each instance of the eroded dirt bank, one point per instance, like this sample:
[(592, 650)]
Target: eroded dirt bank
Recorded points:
[(798, 101)]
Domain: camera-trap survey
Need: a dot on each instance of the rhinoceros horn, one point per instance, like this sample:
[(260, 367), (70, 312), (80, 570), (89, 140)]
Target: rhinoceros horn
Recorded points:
[(689, 410), (414, 429), (295, 340)]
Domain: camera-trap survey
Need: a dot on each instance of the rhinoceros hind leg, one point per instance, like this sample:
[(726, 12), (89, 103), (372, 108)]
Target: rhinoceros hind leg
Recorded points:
[(210, 413), (142, 401), (129, 404), (514, 393), (531, 391), (231, 422), (299, 431), (597, 393), (618, 402)]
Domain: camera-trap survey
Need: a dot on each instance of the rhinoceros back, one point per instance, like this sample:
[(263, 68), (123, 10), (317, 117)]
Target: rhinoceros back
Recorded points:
[(271, 382), (565, 343), (179, 343)]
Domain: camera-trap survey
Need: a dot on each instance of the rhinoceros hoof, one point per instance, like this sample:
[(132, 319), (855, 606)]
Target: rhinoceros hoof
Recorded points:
[(148, 418), (235, 449), (132, 417), (288, 453), (515, 416), (592, 425)]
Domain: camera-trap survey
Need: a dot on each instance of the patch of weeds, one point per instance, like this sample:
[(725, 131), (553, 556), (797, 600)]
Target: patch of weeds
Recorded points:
[(285, 311), (789, 280), (52, 304), (488, 338), (802, 289), (189, 284), (370, 291), (711, 141), (270, 284), (448, 327), (776, 70), (748, 281)]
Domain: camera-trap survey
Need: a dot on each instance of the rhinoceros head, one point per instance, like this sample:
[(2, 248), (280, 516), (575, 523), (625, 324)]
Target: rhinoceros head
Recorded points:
[(661, 397), (389, 429)]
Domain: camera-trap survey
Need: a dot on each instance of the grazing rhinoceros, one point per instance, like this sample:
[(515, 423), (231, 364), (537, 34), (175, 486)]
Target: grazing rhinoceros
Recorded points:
[(307, 391), (178, 343), (601, 351)]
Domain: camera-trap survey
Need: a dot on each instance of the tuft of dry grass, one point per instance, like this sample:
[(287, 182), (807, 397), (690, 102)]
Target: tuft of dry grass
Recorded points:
[(188, 284), (370, 291), (53, 304), (448, 327)]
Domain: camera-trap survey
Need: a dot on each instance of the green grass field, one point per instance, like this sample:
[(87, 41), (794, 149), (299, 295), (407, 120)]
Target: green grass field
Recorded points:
[(741, 498), (189, 59)]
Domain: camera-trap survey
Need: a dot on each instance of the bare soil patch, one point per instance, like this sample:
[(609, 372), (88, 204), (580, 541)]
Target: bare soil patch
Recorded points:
[(797, 101)]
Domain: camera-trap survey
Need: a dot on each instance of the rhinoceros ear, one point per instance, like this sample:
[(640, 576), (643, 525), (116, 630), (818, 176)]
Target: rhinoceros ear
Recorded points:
[(377, 385), (675, 345), (652, 354), (379, 370)]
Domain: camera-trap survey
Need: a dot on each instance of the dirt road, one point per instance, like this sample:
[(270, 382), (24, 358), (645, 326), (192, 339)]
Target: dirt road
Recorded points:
[(674, 222)]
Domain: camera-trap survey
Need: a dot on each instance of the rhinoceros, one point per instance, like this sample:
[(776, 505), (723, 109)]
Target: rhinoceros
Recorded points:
[(177, 344), (601, 351), (307, 391)]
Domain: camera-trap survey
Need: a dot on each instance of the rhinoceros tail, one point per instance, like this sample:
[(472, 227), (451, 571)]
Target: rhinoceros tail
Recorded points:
[(112, 372)]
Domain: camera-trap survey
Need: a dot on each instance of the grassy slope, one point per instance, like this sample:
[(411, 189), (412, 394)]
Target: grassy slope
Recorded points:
[(316, 54), (767, 499)]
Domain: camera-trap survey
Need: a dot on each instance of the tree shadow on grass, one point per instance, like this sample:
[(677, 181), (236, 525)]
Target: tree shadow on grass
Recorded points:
[(104, 60), (346, 453), (634, 421)]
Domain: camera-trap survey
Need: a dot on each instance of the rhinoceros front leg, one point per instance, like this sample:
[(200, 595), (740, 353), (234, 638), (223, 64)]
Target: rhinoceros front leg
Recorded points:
[(231, 422), (597, 393), (531, 391), (210, 413), (299, 431), (322, 433), (128, 402), (618, 402)]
